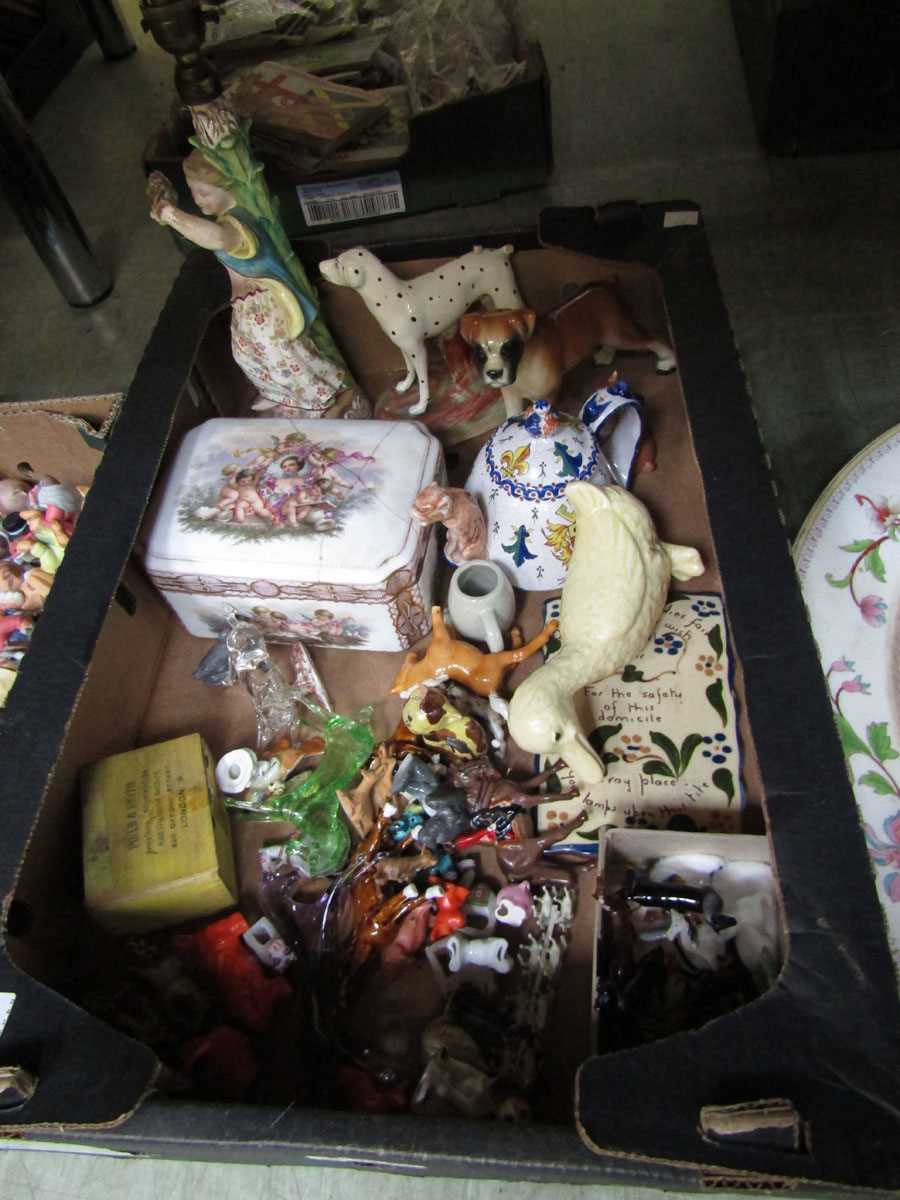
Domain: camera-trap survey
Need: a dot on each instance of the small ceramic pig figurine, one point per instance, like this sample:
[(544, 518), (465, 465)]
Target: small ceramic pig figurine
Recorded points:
[(613, 598), (411, 310), (461, 516)]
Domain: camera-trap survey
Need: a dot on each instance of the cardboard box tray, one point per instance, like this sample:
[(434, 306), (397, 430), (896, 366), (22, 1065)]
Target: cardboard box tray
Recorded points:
[(104, 675)]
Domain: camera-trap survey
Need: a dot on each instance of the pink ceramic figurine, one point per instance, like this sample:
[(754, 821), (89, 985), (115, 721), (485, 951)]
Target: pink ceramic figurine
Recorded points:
[(460, 514), (53, 500)]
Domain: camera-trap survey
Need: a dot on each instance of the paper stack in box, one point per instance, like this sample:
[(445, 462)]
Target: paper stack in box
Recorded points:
[(156, 838), (290, 108)]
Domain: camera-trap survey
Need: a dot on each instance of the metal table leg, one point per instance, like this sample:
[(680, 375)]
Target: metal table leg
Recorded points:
[(109, 29), (45, 213)]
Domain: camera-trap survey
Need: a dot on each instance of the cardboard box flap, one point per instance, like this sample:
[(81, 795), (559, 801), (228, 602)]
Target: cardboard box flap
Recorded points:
[(107, 1075), (62, 438)]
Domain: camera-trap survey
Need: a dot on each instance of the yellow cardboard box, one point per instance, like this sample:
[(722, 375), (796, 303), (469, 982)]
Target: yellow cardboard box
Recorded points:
[(157, 843)]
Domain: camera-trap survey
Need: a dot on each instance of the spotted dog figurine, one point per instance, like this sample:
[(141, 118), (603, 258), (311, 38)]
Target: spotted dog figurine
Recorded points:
[(411, 310)]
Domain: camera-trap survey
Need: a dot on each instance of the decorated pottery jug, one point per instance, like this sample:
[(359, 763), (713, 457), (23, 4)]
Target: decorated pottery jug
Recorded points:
[(520, 477)]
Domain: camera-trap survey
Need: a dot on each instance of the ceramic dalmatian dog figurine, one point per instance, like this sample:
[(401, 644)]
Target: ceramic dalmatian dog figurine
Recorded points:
[(411, 310)]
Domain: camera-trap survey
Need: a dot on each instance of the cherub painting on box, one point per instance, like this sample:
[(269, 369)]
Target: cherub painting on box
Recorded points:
[(292, 486)]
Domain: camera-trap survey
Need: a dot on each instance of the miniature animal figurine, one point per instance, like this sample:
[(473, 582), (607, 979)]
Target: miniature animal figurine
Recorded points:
[(450, 916), (402, 868), (410, 937), (361, 805), (380, 926), (490, 952), (455, 1072), (242, 986), (461, 516), (526, 356), (451, 658), (485, 786), (613, 597), (241, 773), (514, 905), (430, 716), (448, 818), (525, 859), (411, 310)]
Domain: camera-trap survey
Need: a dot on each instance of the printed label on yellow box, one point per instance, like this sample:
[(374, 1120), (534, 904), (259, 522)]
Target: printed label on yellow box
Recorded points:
[(157, 848)]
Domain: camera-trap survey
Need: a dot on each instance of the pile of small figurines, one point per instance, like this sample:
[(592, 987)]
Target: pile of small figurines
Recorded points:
[(682, 941), (413, 928), (36, 522)]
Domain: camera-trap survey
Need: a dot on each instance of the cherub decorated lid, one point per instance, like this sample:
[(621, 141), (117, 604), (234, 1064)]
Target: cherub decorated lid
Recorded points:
[(292, 500)]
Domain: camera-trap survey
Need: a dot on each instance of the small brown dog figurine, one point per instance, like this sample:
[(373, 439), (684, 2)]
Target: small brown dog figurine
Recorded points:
[(486, 788), (526, 356), (452, 658), (525, 859), (462, 517)]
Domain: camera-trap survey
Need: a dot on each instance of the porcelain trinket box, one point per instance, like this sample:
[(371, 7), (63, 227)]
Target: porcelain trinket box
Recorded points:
[(302, 526)]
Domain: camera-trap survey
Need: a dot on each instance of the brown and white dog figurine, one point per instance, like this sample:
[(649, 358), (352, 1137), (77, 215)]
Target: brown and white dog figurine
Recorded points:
[(526, 356)]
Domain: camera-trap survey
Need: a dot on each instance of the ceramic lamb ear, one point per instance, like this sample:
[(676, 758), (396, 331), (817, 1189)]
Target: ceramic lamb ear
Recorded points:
[(686, 561)]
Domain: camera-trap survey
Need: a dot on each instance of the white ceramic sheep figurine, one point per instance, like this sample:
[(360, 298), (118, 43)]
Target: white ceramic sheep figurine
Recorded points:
[(613, 597)]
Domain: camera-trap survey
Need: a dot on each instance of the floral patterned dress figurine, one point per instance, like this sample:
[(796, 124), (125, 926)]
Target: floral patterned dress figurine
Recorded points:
[(295, 366)]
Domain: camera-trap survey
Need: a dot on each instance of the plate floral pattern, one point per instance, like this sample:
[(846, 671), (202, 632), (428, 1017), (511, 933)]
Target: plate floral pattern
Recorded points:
[(848, 560)]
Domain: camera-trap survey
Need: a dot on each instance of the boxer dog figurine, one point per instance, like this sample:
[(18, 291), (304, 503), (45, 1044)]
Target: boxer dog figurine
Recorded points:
[(526, 356)]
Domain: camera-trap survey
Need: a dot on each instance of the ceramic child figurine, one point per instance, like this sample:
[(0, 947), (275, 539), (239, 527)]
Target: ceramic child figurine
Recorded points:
[(277, 337), (23, 590), (33, 538), (526, 356), (53, 500), (612, 600), (411, 310), (461, 516), (451, 658)]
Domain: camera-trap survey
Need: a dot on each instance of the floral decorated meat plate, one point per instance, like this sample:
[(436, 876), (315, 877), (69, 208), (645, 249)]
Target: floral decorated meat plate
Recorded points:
[(848, 559)]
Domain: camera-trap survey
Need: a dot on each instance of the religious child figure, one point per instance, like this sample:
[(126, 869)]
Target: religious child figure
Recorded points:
[(277, 336)]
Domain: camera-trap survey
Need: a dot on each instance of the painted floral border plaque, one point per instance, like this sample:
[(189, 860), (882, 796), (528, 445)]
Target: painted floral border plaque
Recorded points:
[(848, 559), (666, 727)]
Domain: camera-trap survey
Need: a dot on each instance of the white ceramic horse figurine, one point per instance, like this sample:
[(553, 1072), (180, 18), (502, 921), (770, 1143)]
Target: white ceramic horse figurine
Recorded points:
[(613, 597)]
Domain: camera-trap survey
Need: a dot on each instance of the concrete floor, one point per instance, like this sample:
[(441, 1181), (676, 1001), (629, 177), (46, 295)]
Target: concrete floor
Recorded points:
[(649, 102)]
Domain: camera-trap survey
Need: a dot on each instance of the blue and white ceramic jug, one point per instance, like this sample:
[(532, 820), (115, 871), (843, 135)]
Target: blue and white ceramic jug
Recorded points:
[(521, 474)]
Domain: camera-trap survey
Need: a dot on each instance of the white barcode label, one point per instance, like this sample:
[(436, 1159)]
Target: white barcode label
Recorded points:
[(7, 1000), (351, 199), (676, 217)]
